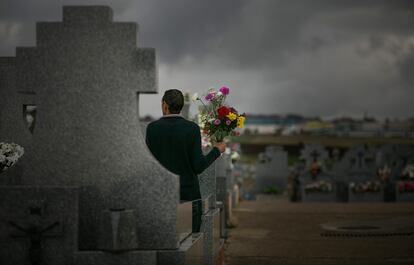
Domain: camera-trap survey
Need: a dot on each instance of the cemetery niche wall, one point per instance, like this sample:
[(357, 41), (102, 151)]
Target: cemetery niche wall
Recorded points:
[(87, 190)]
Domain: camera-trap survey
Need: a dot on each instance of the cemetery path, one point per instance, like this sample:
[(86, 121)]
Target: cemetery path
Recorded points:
[(272, 230)]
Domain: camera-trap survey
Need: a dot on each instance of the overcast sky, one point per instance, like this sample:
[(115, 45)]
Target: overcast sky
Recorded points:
[(327, 58)]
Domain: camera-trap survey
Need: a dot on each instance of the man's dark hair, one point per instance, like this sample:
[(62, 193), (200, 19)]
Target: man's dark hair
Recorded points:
[(174, 99)]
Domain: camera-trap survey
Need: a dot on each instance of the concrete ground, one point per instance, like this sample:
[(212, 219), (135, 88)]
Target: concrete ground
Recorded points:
[(272, 230)]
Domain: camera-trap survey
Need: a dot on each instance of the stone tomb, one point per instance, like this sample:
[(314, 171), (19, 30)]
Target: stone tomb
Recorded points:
[(86, 157), (13, 105), (316, 182), (272, 170), (404, 164), (360, 170), (223, 191), (210, 226)]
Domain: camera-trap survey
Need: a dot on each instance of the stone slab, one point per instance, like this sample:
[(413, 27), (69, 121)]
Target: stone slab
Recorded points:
[(190, 252), (30, 214), (86, 73), (366, 196), (211, 229), (122, 258), (184, 220), (403, 196), (318, 196)]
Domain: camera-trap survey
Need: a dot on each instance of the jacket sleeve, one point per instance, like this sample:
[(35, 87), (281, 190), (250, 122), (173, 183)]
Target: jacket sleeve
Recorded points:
[(200, 161)]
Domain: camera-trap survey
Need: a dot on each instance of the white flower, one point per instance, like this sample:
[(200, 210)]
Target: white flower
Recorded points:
[(2, 159), (195, 97), (219, 93)]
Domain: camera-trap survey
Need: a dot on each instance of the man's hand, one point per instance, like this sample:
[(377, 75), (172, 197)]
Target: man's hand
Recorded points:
[(220, 146)]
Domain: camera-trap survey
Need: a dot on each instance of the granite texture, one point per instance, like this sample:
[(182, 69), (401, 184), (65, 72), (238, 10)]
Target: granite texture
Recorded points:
[(122, 258), (87, 73), (212, 239), (117, 231), (189, 253), (44, 218), (207, 181), (13, 127), (221, 190), (184, 220)]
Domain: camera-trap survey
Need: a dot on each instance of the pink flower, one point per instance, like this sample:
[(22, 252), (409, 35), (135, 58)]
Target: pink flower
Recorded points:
[(209, 96), (217, 122), (224, 90), (228, 122)]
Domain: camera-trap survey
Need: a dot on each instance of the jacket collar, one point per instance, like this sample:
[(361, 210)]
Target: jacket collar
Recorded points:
[(172, 116)]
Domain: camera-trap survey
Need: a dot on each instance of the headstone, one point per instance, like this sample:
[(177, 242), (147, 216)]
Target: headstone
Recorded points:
[(211, 218), (85, 76), (223, 178), (316, 182), (404, 173), (13, 104), (272, 170), (364, 185)]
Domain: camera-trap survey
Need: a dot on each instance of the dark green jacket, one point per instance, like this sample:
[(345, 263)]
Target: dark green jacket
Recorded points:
[(176, 143)]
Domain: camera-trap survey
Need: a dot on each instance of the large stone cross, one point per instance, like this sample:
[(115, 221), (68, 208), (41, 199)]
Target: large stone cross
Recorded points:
[(87, 74)]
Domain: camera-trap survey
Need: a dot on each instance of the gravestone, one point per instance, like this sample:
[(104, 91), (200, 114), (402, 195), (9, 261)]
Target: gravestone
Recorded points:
[(210, 226), (404, 160), (85, 76), (360, 170), (272, 170), (13, 103), (316, 182), (222, 192)]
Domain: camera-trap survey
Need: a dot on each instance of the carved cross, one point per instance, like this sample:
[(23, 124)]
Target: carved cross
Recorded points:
[(36, 229), (315, 154)]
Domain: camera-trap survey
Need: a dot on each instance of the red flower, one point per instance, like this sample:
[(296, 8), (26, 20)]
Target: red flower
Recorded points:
[(223, 111)]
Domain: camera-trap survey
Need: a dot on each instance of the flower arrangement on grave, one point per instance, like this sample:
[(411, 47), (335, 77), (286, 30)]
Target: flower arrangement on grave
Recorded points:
[(9, 154), (319, 186), (408, 172), (384, 173), (367, 186), (218, 120), (315, 169), (406, 186)]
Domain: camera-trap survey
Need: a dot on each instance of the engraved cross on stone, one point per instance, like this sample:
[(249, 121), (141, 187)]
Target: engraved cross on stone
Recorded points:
[(315, 154), (36, 229)]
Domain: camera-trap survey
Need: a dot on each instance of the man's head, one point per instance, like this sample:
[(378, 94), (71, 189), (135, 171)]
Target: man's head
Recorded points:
[(172, 102)]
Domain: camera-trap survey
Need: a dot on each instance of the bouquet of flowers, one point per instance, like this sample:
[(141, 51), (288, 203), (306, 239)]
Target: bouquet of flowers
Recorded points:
[(217, 120), (368, 186), (9, 154), (319, 186), (406, 186), (408, 172)]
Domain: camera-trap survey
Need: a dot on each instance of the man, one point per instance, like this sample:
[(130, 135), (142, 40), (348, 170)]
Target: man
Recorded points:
[(176, 143)]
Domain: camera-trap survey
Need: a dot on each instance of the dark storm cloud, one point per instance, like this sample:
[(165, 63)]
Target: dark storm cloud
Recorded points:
[(313, 57)]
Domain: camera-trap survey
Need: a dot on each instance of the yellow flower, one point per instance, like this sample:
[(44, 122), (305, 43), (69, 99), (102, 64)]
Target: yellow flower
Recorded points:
[(232, 116), (240, 121)]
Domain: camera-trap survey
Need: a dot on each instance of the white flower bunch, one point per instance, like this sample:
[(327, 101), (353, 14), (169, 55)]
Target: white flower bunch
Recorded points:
[(9, 154)]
